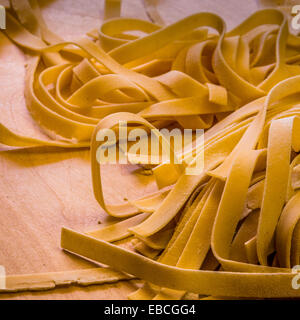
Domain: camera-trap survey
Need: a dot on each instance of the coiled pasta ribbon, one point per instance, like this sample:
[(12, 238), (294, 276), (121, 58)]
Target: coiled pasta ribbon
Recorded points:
[(241, 86), (210, 220)]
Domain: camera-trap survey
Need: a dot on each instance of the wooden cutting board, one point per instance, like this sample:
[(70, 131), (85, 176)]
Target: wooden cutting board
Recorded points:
[(43, 189)]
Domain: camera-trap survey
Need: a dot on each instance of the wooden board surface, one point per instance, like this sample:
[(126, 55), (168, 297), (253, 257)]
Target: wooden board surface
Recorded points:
[(41, 189)]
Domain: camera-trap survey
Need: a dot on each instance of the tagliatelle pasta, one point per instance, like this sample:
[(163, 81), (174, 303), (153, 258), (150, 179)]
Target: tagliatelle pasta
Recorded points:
[(231, 231), (51, 280)]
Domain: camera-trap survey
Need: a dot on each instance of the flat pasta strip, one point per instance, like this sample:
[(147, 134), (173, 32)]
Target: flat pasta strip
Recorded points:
[(52, 280)]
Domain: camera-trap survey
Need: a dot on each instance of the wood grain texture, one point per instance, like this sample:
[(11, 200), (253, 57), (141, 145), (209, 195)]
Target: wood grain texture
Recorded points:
[(43, 189)]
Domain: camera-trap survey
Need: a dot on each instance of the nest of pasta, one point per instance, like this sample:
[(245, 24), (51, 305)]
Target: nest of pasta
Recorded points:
[(231, 231)]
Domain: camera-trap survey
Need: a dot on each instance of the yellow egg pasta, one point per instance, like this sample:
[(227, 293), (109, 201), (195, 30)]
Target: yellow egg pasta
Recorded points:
[(231, 231)]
